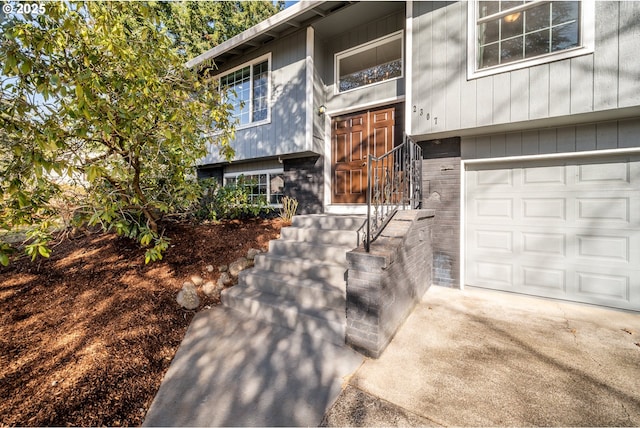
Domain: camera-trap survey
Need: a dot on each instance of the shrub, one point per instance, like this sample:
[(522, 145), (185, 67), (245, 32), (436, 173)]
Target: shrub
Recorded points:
[(289, 207), (231, 201)]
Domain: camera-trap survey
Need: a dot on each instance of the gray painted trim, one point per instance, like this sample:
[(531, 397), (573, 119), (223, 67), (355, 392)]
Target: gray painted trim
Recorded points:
[(310, 86), (408, 65), (533, 124)]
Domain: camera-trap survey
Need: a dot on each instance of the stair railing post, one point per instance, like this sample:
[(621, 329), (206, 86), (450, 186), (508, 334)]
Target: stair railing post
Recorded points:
[(367, 242)]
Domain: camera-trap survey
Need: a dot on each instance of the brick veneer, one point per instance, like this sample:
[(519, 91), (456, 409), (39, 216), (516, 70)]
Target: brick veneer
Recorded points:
[(384, 285), (304, 181), (441, 192)]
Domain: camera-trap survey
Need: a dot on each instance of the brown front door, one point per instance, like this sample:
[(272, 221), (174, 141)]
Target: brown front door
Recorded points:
[(353, 137)]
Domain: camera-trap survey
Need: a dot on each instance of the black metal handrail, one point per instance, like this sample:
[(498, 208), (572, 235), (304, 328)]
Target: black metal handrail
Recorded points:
[(394, 182)]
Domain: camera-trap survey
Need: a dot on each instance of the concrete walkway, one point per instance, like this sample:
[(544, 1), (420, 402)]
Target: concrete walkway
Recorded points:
[(462, 358), (231, 370), (484, 358)]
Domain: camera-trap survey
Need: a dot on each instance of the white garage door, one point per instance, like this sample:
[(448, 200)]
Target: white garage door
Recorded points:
[(568, 229)]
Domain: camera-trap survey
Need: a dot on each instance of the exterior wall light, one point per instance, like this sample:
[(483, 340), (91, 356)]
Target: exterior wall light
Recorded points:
[(322, 110)]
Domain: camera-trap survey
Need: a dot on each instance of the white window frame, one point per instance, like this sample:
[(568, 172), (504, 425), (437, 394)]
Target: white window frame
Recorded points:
[(268, 172), (251, 64), (587, 35), (363, 47)]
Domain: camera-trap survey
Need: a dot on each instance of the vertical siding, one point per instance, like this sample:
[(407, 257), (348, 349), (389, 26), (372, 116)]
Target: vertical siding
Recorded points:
[(607, 79), (539, 102), (519, 95), (456, 59), (628, 133), (628, 57), (286, 131), (484, 103), (439, 67), (352, 38), (560, 88), (605, 83), (501, 98), (596, 136), (581, 84), (422, 57)]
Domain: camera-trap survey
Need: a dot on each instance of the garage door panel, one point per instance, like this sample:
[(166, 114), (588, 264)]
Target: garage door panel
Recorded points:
[(494, 240), (540, 243), (494, 209), (545, 175), (543, 280), (569, 230), (603, 248), (616, 209), (614, 173), (603, 288), (544, 209), (493, 178), (500, 274)]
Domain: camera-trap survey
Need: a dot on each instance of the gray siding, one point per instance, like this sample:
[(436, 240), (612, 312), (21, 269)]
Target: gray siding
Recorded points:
[(605, 80), (596, 136), (318, 100), (350, 39), (286, 132)]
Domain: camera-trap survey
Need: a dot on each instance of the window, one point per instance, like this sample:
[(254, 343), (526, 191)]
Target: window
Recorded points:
[(370, 63), (264, 185), (515, 34), (247, 90)]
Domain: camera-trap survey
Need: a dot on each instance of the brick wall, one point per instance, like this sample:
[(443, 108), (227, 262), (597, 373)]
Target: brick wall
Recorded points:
[(304, 181), (384, 285), (215, 173), (441, 192)]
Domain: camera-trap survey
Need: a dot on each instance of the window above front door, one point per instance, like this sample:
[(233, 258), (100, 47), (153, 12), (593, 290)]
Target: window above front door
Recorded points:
[(370, 63), (507, 35)]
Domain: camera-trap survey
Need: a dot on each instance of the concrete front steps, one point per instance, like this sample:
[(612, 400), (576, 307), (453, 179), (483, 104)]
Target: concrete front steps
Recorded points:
[(300, 283)]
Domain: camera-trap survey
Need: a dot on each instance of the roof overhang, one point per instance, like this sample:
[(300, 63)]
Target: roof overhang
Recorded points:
[(291, 19)]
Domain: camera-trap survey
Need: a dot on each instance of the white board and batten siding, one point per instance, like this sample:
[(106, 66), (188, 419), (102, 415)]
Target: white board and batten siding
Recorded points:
[(556, 213), (447, 101)]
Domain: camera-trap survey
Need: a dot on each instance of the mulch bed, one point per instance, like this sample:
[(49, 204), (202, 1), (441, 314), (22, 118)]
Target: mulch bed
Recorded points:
[(87, 335)]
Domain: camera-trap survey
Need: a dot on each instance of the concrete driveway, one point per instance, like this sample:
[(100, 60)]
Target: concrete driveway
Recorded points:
[(485, 358)]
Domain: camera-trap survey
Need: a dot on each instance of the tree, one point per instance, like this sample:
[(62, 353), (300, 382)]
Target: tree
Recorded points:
[(198, 26), (95, 95)]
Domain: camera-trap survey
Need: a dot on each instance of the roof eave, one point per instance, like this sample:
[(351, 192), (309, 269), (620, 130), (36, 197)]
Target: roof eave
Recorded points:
[(261, 28)]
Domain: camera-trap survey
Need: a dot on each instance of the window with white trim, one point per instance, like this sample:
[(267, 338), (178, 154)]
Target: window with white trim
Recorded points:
[(246, 88), (514, 34), (264, 185), (373, 62)]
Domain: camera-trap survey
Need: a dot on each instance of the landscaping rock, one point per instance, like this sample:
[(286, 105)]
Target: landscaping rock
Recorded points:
[(188, 296), (197, 280), (211, 289), (252, 253), (209, 268), (225, 279), (223, 268), (238, 266)]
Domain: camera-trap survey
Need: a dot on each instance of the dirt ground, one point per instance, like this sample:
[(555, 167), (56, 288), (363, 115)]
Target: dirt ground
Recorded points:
[(87, 335)]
